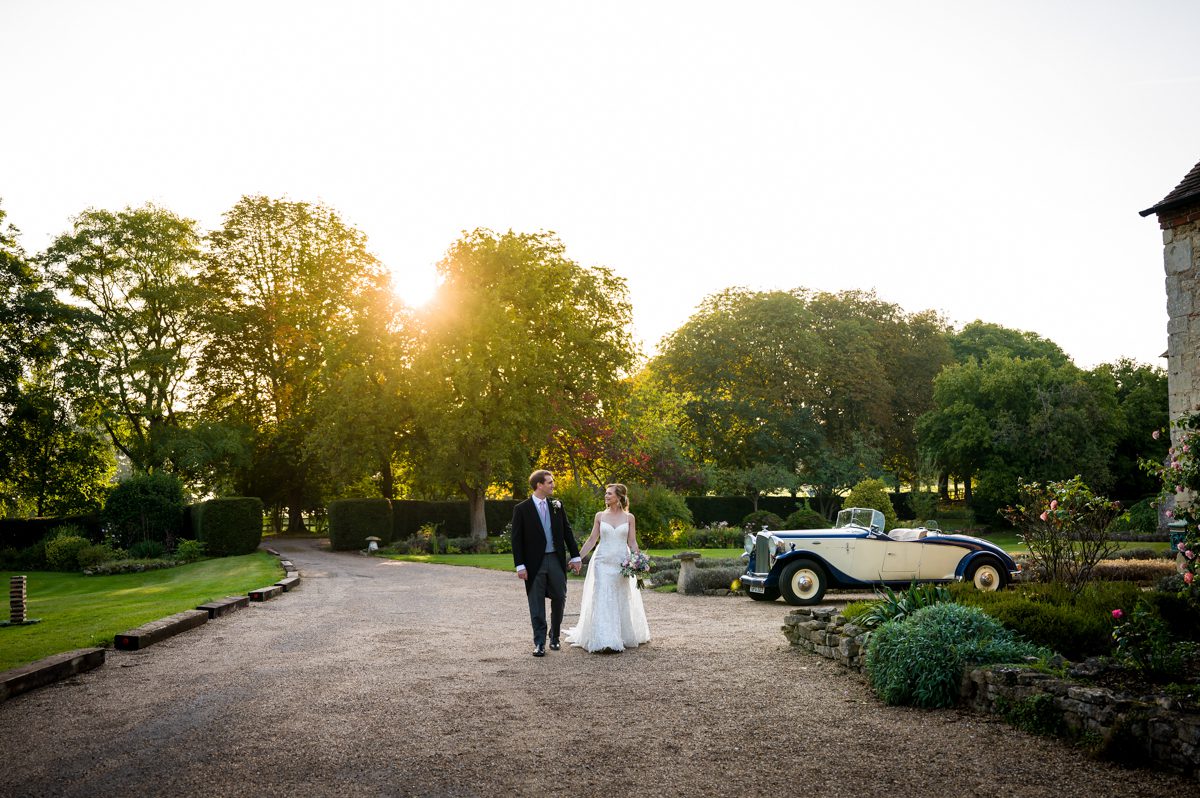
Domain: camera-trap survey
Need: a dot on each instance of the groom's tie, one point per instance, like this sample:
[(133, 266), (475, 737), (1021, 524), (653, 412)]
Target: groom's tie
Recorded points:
[(544, 514)]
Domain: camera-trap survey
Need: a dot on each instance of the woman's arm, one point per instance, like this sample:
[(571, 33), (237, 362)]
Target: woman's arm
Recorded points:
[(633, 545), (592, 538)]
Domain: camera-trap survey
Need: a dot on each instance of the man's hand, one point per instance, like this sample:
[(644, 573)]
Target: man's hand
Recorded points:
[(523, 574), (576, 566)]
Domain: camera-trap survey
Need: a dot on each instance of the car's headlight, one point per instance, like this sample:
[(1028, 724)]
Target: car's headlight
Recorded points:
[(749, 541)]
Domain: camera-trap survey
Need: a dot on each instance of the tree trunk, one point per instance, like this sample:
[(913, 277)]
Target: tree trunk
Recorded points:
[(944, 486), (295, 517), (387, 484), (479, 529), (967, 488)]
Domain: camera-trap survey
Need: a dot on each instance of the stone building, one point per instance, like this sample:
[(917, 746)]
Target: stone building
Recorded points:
[(1179, 217)]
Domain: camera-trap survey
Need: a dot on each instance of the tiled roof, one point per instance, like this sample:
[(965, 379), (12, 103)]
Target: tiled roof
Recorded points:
[(1188, 190)]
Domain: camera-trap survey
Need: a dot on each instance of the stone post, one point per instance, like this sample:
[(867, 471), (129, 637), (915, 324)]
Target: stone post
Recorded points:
[(687, 570)]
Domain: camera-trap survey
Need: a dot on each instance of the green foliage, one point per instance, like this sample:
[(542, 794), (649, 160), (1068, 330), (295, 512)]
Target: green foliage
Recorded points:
[(352, 521), (1076, 625), (581, 503), (979, 340), (132, 273), (501, 544), (755, 480), (714, 536), (1182, 473), (1037, 714), (658, 511), (1005, 418), (131, 566), (188, 550), (923, 505), (147, 550), (62, 552), (920, 661), (1065, 527), (1143, 639), (93, 555), (505, 360), (873, 493), (806, 518), (144, 507), (763, 519), (855, 610), (893, 606), (1141, 517), (228, 526)]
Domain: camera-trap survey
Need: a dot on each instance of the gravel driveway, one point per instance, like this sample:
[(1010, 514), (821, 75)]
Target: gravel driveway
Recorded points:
[(384, 678)]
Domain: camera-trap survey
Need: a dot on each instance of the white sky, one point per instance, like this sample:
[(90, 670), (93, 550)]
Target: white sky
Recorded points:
[(983, 159)]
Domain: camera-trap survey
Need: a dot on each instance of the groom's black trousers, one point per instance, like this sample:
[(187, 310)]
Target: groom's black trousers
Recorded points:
[(549, 582)]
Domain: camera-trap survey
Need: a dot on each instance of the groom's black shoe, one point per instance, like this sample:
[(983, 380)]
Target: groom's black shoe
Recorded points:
[(554, 644), (539, 650)]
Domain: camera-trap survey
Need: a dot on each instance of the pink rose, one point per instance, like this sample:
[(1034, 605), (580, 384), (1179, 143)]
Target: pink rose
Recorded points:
[(1054, 504), (1154, 435), (1168, 514), (1117, 614), (1042, 516), (1185, 447), (1189, 554), (1187, 577)]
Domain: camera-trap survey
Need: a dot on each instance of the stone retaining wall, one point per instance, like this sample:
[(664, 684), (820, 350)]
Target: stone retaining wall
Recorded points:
[(1137, 730)]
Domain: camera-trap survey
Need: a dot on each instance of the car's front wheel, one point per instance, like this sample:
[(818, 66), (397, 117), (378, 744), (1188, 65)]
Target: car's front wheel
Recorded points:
[(986, 575), (802, 582)]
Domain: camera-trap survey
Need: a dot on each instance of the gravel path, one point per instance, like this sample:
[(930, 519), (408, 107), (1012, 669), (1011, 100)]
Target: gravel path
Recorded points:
[(384, 678)]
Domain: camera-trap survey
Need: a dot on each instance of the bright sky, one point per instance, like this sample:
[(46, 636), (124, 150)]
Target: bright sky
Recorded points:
[(983, 159)]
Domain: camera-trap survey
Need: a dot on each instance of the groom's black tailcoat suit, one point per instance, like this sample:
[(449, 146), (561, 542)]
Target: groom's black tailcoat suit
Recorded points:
[(529, 550)]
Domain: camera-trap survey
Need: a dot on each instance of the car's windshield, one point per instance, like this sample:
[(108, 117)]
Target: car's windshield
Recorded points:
[(861, 517)]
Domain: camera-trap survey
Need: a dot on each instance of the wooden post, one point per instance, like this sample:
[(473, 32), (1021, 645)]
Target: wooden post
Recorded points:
[(16, 600)]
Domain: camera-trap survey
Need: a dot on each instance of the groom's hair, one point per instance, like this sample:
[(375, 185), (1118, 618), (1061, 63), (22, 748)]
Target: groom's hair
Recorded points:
[(537, 478)]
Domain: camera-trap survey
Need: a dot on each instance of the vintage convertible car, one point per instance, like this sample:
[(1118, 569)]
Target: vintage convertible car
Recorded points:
[(801, 565)]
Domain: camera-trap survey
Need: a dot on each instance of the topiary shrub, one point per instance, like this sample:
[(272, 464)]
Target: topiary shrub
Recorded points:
[(760, 519), (352, 521), (806, 518), (62, 552), (144, 507), (228, 526), (920, 661), (714, 578), (188, 550), (873, 494)]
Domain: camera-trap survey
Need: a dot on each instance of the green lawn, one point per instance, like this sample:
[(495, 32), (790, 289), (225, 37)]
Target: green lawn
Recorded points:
[(504, 562), (79, 611)]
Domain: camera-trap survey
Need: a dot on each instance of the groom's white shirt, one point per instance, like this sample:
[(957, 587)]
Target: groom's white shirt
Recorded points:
[(545, 505)]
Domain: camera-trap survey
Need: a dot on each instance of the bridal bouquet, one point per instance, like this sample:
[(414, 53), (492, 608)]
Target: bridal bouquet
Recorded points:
[(636, 564)]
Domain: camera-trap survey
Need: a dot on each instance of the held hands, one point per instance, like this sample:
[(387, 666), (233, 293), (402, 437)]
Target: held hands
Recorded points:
[(576, 567)]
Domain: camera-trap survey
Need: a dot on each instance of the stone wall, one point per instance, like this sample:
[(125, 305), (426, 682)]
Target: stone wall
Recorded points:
[(1134, 730), (1181, 259)]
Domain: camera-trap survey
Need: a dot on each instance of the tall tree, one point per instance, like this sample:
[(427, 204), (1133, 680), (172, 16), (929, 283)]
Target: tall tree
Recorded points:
[(1141, 392), (132, 276), (980, 339), (288, 283), (519, 339)]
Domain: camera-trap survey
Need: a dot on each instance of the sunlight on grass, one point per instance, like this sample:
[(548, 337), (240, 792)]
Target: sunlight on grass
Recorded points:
[(78, 611)]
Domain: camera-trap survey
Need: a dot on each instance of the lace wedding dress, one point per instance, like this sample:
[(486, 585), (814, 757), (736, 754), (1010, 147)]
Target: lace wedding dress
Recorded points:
[(611, 615)]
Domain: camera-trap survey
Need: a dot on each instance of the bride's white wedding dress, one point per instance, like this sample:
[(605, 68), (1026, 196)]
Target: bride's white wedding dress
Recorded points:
[(611, 615)]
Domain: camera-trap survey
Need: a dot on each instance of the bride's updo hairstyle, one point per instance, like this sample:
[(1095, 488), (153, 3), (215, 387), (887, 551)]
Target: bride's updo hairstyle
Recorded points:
[(622, 494)]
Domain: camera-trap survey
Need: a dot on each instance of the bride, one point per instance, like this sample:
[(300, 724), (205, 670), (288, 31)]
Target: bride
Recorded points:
[(611, 616)]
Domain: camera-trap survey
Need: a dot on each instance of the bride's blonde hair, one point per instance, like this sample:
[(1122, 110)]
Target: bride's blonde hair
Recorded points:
[(622, 494)]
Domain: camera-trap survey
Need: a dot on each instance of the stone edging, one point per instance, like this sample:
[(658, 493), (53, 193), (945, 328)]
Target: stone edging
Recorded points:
[(1135, 730), (61, 666)]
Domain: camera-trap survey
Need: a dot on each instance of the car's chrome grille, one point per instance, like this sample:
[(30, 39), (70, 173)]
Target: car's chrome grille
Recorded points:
[(762, 554)]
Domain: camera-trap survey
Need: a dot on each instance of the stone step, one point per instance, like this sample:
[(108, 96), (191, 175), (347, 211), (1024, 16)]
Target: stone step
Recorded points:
[(151, 633), (216, 609), (288, 582), (51, 669), (265, 593)]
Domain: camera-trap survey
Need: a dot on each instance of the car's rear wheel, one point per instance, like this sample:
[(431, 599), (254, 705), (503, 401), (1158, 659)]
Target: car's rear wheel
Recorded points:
[(802, 582), (770, 594), (986, 575)]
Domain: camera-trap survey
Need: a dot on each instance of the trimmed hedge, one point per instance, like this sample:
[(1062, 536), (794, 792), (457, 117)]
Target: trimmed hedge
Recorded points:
[(19, 533), (352, 521), (228, 526), (453, 518)]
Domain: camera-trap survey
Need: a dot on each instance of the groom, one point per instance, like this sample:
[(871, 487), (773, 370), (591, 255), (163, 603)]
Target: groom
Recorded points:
[(541, 537)]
